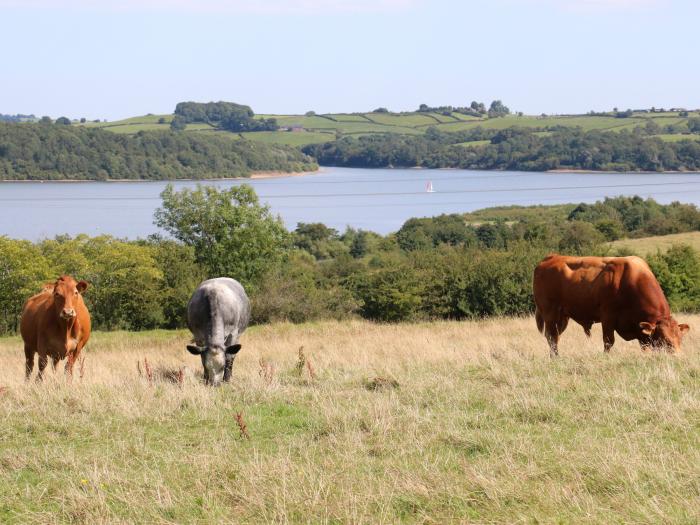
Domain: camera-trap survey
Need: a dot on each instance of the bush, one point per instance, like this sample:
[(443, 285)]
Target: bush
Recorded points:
[(297, 292), (678, 273)]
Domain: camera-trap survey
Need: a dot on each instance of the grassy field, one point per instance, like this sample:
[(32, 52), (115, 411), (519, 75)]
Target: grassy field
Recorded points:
[(319, 126), (465, 422), (290, 138), (649, 245)]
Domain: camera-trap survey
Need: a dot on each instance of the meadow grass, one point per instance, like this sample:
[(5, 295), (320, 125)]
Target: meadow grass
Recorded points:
[(131, 129), (403, 120), (650, 245), (417, 423), (289, 138)]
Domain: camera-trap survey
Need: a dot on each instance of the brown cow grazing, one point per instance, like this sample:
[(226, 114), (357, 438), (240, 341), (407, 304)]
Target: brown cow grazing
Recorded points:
[(619, 292), (56, 323)]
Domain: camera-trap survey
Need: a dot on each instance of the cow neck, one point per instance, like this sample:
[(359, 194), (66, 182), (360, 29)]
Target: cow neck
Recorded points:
[(69, 326)]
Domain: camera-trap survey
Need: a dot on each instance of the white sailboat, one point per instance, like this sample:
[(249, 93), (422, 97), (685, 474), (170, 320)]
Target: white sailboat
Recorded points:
[(429, 187)]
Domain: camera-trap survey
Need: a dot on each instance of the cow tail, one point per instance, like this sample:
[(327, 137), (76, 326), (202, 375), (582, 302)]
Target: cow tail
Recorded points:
[(539, 320)]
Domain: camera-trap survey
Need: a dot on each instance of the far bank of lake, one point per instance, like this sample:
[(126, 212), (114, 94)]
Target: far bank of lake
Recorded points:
[(373, 199)]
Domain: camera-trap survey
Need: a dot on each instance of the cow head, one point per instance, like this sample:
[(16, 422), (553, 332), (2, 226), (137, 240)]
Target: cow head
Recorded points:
[(665, 333), (66, 294), (215, 360)]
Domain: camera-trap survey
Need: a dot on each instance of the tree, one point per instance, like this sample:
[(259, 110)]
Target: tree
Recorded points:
[(64, 121), (498, 109), (479, 107), (178, 123), (360, 245), (651, 127), (22, 272), (381, 110), (232, 234), (694, 125)]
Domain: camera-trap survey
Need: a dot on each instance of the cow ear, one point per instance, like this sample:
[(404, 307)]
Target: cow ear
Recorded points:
[(233, 349), (194, 349), (81, 286), (684, 328), (647, 328)]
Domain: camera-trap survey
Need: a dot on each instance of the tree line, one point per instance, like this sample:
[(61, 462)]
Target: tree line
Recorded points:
[(519, 149), (228, 116), (46, 151), (475, 109), (445, 267)]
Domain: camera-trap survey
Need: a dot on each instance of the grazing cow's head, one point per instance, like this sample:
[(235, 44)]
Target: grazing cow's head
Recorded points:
[(665, 333), (66, 292), (214, 360)]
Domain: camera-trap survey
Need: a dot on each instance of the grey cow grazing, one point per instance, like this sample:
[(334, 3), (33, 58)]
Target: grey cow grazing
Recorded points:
[(217, 315)]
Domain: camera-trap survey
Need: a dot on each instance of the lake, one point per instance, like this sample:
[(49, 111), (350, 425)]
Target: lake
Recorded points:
[(378, 199)]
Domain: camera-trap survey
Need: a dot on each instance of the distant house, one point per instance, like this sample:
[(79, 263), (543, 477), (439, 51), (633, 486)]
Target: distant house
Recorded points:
[(296, 127)]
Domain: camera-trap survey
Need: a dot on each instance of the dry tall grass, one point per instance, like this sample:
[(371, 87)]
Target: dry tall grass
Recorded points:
[(430, 423)]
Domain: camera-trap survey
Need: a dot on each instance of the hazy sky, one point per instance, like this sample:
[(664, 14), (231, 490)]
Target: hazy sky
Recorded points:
[(113, 59)]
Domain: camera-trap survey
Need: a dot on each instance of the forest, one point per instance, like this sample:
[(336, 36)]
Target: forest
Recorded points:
[(518, 149), (56, 151), (446, 267)]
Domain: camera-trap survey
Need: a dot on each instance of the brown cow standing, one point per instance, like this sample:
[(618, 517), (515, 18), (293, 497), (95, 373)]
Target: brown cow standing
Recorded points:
[(619, 292), (55, 323)]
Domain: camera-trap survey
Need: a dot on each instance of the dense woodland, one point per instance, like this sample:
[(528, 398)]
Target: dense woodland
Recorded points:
[(52, 151), (447, 267), (519, 149)]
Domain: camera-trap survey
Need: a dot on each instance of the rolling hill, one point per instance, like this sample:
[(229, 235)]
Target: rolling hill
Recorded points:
[(299, 130)]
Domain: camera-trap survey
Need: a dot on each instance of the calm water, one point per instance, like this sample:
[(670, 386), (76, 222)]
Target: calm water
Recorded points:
[(378, 200)]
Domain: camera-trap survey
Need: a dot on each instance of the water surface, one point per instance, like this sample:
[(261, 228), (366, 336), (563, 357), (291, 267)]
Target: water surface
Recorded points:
[(372, 199)]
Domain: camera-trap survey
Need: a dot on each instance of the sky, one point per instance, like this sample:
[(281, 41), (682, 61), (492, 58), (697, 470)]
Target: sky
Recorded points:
[(112, 59)]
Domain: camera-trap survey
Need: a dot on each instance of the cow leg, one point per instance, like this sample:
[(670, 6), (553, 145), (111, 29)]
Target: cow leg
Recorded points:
[(43, 361), (587, 329), (552, 330), (69, 365), (54, 363), (608, 337), (29, 361)]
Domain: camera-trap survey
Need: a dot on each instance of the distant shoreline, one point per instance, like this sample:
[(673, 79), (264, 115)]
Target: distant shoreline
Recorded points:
[(256, 175), (640, 172), (253, 176)]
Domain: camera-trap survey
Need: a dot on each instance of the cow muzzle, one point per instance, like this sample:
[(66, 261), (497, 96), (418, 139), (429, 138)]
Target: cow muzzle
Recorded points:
[(68, 314)]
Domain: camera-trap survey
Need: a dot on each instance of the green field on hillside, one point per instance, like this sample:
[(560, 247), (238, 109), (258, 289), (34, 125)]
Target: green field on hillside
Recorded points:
[(650, 245), (290, 138), (322, 127)]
